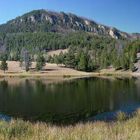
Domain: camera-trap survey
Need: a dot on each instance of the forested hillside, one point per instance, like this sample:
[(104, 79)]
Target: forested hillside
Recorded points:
[(91, 46)]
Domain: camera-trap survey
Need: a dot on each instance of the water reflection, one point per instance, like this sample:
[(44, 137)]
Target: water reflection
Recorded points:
[(67, 101)]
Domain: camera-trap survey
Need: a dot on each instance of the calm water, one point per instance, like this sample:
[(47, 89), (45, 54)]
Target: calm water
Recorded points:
[(67, 101)]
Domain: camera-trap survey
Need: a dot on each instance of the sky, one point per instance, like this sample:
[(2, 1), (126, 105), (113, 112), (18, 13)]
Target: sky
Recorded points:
[(122, 14)]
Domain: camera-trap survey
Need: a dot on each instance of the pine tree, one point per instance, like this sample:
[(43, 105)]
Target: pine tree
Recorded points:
[(70, 60), (40, 62), (82, 65), (4, 65)]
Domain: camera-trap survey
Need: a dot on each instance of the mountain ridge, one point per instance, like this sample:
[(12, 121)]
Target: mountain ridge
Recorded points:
[(50, 21)]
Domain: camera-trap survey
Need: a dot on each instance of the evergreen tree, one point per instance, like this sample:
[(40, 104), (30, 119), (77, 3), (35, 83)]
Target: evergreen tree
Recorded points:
[(91, 66), (40, 62), (69, 60), (82, 65), (4, 65)]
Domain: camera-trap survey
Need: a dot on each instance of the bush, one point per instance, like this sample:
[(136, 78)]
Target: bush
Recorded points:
[(121, 116), (14, 129)]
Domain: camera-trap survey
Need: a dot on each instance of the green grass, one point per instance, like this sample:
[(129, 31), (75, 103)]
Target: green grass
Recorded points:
[(123, 129)]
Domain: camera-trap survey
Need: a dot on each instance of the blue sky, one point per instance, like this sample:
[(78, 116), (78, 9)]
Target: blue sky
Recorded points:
[(122, 14)]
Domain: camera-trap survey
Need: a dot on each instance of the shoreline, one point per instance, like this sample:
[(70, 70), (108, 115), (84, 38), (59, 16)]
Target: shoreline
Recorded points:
[(123, 128), (58, 71), (68, 75)]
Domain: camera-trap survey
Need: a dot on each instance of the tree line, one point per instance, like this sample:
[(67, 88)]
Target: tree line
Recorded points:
[(25, 61), (119, 55), (86, 52)]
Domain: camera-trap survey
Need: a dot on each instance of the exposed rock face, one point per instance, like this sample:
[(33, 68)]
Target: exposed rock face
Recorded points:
[(48, 21), (87, 22), (112, 34), (32, 19)]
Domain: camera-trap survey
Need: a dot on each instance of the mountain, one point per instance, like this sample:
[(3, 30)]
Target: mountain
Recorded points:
[(91, 46), (48, 21)]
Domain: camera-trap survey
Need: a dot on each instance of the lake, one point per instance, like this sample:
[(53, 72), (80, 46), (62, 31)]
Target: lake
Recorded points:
[(68, 101)]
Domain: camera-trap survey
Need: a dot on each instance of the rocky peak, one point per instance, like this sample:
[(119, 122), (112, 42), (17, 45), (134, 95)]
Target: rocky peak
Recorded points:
[(44, 21)]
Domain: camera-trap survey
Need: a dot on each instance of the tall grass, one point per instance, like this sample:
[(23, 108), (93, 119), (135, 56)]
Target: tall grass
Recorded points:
[(123, 129)]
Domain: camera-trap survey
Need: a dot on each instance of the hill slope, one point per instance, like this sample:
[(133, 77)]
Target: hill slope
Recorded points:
[(91, 46), (48, 21)]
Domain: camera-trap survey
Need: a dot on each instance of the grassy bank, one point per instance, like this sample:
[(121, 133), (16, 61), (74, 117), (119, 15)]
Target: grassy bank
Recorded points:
[(54, 70), (68, 75), (120, 130), (45, 75)]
